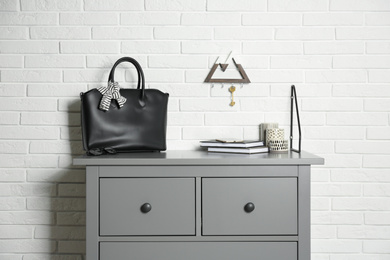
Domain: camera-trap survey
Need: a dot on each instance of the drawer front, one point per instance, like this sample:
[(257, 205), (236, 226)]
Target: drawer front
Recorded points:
[(171, 202), (199, 171), (198, 250), (227, 209)]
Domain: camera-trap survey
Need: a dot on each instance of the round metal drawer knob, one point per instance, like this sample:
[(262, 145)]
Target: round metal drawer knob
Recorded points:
[(249, 207), (146, 207)]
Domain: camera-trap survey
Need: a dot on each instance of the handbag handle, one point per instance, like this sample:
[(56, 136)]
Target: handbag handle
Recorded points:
[(141, 77)]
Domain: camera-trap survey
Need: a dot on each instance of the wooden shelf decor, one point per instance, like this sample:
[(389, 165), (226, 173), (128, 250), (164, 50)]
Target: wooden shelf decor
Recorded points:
[(244, 76)]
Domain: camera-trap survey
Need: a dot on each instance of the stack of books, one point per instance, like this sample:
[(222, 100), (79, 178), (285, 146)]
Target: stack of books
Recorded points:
[(222, 146)]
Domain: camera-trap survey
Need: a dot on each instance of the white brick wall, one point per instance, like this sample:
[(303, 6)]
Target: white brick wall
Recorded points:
[(336, 52)]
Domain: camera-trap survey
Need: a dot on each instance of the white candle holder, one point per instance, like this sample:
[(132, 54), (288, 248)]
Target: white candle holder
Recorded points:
[(278, 146), (263, 128), (274, 134)]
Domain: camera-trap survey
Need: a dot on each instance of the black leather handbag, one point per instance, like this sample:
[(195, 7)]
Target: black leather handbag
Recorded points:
[(124, 120)]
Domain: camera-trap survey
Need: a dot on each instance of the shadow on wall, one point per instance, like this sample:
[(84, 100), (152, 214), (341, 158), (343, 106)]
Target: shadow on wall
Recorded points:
[(65, 231), (68, 205)]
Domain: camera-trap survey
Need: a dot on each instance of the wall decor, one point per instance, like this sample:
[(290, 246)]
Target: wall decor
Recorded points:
[(244, 76)]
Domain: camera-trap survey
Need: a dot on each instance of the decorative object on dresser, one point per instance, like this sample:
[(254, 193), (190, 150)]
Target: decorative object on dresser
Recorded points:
[(263, 128), (276, 141), (251, 150), (280, 145), (231, 143), (124, 120), (294, 99), (194, 205), (234, 146), (274, 134)]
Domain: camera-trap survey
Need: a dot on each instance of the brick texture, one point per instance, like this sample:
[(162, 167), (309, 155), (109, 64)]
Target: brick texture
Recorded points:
[(336, 52)]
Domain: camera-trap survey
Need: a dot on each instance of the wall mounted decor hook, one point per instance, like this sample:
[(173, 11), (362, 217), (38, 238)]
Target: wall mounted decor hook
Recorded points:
[(244, 76)]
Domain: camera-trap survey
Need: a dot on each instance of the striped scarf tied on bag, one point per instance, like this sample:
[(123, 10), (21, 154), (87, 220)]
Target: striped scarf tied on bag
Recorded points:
[(110, 92)]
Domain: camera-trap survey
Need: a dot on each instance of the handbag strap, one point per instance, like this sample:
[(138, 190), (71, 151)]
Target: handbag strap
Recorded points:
[(141, 77)]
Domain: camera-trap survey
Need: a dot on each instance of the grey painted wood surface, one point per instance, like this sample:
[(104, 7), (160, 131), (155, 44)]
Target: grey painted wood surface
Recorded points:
[(172, 201), (198, 251), (200, 171), (197, 238), (92, 212), (196, 168), (200, 158), (304, 213), (275, 201)]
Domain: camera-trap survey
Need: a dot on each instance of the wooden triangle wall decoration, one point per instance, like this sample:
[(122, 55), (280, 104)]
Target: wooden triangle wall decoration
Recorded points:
[(244, 79)]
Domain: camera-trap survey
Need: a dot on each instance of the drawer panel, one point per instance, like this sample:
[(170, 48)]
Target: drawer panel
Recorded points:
[(172, 202), (199, 171), (198, 250), (274, 200)]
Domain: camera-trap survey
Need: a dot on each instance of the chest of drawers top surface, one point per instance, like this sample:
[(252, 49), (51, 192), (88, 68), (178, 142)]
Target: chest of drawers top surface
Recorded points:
[(184, 157)]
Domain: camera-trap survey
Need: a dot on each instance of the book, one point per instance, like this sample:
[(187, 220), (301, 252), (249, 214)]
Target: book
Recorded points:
[(238, 144), (251, 150)]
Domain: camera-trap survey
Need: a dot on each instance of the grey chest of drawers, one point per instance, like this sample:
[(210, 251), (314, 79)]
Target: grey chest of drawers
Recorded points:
[(193, 205)]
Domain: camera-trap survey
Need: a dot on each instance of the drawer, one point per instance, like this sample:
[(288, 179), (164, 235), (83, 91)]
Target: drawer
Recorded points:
[(123, 200), (198, 250), (199, 171), (226, 206)]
